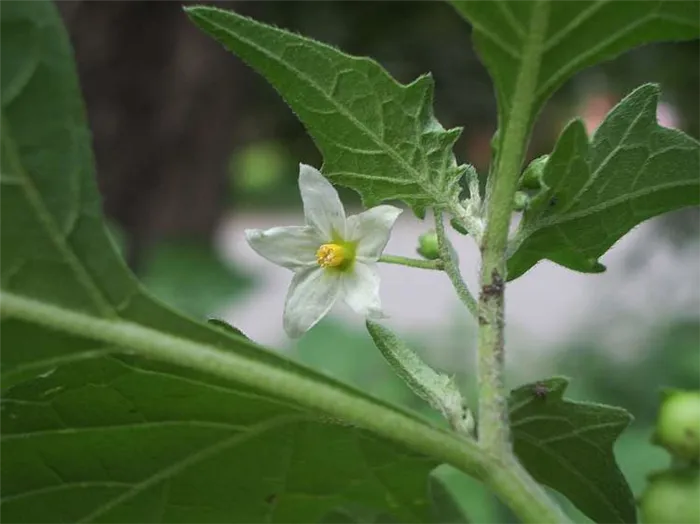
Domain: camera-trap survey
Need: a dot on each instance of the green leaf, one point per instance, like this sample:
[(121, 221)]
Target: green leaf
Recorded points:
[(191, 277), (377, 136), (116, 408), (125, 440), (568, 446), (578, 35), (633, 169)]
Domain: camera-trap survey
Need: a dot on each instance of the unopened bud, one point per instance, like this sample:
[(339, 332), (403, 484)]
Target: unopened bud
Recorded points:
[(428, 246), (457, 226), (532, 177)]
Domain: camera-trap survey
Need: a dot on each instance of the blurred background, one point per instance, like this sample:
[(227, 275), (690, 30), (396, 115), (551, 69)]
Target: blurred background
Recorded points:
[(192, 147)]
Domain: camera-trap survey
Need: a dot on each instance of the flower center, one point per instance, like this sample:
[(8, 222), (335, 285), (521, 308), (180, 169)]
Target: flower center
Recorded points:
[(331, 255)]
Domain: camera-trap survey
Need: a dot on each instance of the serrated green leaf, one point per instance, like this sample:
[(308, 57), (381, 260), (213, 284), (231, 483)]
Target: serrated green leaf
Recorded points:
[(578, 35), (593, 194), (377, 136), (568, 446)]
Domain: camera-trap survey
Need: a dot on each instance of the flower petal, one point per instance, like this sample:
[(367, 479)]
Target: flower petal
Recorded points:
[(361, 290), (292, 247), (322, 206), (311, 295), (371, 230)]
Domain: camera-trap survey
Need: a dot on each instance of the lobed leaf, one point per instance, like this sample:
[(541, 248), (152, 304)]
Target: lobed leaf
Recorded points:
[(568, 446), (376, 136), (632, 170)]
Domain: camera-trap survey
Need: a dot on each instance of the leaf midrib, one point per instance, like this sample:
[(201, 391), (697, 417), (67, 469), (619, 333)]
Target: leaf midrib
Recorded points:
[(558, 220), (576, 433)]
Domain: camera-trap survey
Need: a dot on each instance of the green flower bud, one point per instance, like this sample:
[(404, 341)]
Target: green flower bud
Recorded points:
[(458, 227), (532, 177), (428, 245), (672, 497), (520, 201), (678, 424)]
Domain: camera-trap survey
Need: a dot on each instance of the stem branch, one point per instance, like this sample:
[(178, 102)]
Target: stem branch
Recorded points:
[(451, 267), (412, 262)]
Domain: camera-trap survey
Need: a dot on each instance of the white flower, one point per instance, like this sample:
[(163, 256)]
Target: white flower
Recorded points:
[(332, 256)]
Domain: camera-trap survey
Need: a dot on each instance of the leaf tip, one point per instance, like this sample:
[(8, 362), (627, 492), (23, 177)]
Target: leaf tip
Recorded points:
[(222, 325), (424, 84), (194, 10)]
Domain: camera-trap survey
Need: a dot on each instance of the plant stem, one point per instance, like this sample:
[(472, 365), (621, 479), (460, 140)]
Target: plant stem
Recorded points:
[(412, 262), (315, 394), (451, 267), (493, 428)]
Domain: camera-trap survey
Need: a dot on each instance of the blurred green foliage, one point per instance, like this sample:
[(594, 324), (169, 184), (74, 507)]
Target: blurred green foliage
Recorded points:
[(190, 276)]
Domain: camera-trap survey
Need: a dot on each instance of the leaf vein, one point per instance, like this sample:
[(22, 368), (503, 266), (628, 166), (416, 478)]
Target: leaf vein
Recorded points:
[(176, 467), (582, 17)]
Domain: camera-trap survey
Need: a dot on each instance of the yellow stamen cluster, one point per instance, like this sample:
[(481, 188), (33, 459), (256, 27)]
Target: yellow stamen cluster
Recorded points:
[(331, 255)]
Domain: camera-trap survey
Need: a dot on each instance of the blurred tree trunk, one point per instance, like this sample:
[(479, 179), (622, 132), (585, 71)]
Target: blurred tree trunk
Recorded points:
[(162, 100)]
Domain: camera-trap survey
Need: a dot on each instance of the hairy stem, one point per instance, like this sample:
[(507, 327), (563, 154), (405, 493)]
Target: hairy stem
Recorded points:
[(451, 267), (412, 262), (494, 433), (321, 396), (493, 426)]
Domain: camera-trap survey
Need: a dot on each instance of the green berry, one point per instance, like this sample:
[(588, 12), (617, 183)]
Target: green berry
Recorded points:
[(672, 497), (678, 424), (428, 246)]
